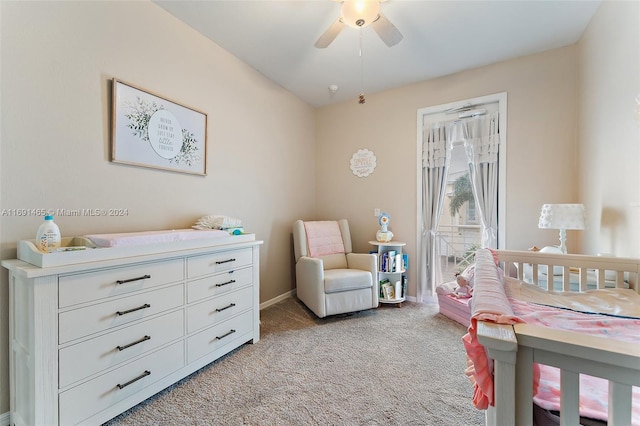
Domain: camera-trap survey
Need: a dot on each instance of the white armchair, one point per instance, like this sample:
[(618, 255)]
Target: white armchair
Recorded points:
[(330, 279)]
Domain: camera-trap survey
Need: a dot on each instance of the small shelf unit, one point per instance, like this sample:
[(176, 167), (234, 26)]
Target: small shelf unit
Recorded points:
[(392, 270)]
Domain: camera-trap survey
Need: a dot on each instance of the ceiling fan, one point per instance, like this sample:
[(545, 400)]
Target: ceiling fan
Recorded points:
[(360, 14)]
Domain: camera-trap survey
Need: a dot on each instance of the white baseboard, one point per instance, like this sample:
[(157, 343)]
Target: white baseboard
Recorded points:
[(5, 419), (277, 299)]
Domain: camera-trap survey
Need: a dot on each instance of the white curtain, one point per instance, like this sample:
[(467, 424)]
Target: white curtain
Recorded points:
[(482, 145), (436, 157), (482, 142)]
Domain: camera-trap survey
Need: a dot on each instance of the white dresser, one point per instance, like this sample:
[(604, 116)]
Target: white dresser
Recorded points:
[(90, 340)]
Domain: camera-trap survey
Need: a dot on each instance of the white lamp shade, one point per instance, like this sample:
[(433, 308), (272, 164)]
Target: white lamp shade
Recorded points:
[(562, 216), (360, 13)]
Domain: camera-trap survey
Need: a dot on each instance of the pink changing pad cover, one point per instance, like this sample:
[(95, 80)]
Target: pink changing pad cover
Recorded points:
[(128, 239)]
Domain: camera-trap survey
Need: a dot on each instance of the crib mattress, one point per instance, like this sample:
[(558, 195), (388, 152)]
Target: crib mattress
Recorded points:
[(457, 309)]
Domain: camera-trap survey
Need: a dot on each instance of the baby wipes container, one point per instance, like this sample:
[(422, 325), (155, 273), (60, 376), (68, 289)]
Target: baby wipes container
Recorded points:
[(48, 235)]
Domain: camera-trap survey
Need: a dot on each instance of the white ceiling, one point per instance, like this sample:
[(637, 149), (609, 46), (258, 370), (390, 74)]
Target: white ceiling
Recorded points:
[(440, 37)]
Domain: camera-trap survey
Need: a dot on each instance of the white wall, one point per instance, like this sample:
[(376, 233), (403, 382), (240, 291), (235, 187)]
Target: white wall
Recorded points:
[(57, 62), (609, 132)]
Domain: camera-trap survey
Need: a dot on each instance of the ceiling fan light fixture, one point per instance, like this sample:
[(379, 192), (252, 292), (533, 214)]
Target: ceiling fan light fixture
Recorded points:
[(360, 13)]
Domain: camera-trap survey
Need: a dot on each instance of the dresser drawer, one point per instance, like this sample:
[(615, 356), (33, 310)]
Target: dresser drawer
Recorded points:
[(198, 266), (218, 284), (86, 287), (89, 398), (218, 309), (214, 338), (97, 354), (102, 316)]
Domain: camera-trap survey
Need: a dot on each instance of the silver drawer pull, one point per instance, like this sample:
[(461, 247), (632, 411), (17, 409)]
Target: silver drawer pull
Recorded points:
[(142, 376), (146, 305), (220, 262), (144, 277), (144, 339), (225, 335), (228, 282), (231, 305)]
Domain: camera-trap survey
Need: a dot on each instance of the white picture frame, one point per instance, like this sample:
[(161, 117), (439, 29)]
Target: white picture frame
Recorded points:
[(149, 130)]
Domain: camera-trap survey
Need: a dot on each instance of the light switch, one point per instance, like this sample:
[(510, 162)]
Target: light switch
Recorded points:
[(376, 212)]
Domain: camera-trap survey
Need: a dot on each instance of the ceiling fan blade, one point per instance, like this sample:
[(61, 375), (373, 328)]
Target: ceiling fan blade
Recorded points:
[(387, 31), (330, 34)]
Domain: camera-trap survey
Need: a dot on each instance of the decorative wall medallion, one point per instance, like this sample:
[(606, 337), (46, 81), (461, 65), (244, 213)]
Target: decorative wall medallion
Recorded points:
[(363, 162)]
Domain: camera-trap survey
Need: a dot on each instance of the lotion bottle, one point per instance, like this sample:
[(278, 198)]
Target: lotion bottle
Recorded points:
[(48, 235)]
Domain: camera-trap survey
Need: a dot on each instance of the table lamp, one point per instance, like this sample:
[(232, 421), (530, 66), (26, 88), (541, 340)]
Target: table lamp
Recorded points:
[(562, 217)]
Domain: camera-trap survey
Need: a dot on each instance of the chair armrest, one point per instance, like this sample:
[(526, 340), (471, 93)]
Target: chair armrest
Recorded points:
[(363, 261), (310, 269), (310, 284)]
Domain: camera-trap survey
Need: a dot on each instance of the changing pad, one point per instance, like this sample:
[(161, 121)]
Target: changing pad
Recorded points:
[(128, 239), (99, 247)]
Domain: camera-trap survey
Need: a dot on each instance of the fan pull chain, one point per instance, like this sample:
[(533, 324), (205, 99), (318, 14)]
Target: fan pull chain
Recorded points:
[(361, 99)]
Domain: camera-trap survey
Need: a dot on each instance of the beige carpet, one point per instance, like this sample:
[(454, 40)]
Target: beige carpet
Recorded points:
[(387, 366)]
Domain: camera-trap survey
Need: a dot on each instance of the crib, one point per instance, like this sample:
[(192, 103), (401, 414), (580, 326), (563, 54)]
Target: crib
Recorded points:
[(515, 348)]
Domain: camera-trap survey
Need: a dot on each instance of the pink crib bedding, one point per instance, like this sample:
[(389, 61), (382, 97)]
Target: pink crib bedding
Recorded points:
[(593, 390), (614, 313), (489, 303)]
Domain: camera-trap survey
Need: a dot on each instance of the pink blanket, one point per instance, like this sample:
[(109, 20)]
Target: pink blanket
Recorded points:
[(323, 238), (490, 303), (493, 303), (593, 390)]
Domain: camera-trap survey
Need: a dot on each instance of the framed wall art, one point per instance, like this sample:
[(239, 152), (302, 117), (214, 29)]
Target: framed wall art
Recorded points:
[(363, 162), (152, 131)]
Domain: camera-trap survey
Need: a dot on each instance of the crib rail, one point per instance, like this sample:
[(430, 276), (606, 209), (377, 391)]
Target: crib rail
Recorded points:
[(515, 349), (502, 345), (616, 272)]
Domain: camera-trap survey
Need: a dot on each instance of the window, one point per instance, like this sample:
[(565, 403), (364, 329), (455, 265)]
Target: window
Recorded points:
[(471, 212), (450, 223)]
